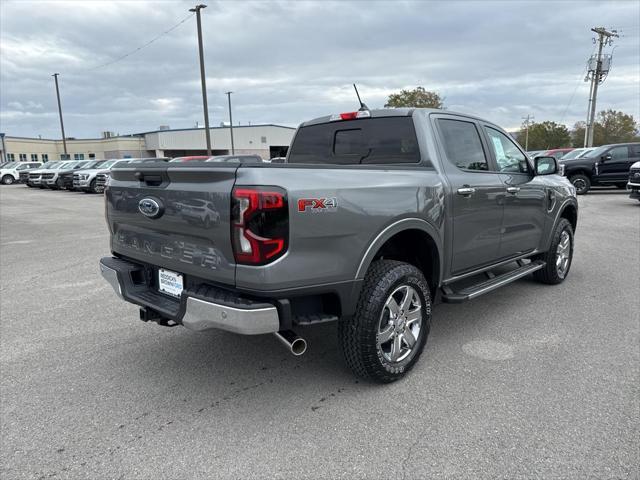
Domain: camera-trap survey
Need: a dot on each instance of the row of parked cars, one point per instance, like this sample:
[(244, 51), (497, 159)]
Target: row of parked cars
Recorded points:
[(608, 165), (90, 176)]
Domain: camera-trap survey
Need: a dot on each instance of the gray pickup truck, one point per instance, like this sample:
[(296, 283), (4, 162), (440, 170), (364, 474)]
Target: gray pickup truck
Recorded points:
[(375, 216)]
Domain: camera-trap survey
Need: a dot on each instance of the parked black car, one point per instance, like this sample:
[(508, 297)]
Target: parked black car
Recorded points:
[(606, 165)]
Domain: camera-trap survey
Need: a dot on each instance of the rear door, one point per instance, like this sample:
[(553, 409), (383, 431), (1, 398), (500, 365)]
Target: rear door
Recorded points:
[(477, 194), (175, 235), (525, 204)]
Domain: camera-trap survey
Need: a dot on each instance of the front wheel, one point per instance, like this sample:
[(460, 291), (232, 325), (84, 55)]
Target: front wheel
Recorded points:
[(581, 182), (559, 256), (92, 187), (386, 335), (7, 180)]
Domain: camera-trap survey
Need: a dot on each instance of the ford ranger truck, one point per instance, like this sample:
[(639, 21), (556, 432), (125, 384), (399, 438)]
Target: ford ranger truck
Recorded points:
[(375, 215)]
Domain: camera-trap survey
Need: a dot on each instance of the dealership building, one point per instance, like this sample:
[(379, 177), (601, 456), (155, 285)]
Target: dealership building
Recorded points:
[(268, 141)]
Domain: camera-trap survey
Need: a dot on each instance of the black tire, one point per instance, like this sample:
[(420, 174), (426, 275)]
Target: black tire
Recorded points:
[(92, 187), (8, 180), (581, 182), (550, 274), (60, 184), (358, 336)]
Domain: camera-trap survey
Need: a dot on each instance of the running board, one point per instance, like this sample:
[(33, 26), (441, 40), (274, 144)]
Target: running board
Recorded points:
[(468, 293)]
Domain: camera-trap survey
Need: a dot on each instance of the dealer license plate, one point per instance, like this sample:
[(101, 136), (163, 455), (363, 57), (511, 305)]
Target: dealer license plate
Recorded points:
[(170, 282)]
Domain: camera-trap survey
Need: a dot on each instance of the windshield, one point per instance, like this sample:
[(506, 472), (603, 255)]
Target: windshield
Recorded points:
[(598, 151), (587, 151), (573, 154), (70, 165), (10, 165)]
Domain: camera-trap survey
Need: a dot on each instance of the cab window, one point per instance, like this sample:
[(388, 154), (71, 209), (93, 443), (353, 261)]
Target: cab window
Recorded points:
[(462, 144), (508, 157)]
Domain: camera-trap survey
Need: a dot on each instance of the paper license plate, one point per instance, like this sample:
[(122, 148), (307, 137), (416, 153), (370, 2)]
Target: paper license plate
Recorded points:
[(170, 282)]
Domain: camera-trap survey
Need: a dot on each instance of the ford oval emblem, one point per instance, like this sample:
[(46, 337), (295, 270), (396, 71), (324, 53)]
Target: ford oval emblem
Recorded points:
[(150, 207)]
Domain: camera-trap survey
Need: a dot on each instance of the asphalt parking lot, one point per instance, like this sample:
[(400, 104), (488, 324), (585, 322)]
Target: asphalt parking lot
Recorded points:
[(529, 381)]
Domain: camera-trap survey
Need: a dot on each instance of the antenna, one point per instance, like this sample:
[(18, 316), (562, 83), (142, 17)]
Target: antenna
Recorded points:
[(363, 106)]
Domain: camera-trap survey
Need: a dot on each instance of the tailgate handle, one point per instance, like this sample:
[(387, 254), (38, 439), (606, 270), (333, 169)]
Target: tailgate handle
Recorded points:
[(149, 179)]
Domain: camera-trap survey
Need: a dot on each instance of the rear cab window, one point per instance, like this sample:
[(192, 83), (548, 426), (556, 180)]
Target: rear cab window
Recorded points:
[(386, 140)]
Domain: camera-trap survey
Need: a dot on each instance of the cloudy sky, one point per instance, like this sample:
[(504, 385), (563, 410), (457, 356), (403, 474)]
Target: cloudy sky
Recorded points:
[(290, 61)]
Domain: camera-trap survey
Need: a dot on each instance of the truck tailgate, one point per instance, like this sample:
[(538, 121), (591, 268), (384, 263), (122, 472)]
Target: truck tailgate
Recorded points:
[(174, 217)]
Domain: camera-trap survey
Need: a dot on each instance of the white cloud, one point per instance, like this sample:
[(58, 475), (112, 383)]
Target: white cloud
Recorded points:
[(287, 62)]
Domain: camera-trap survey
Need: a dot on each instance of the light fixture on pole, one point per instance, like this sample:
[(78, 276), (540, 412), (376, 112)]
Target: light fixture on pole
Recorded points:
[(203, 80)]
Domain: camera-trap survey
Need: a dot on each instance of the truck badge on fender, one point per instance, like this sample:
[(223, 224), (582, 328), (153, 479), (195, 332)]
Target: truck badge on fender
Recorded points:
[(317, 204)]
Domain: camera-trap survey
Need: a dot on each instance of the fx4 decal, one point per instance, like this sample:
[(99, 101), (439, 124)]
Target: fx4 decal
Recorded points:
[(317, 204)]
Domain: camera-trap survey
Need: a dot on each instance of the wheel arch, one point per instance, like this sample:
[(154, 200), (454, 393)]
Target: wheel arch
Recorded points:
[(411, 240)]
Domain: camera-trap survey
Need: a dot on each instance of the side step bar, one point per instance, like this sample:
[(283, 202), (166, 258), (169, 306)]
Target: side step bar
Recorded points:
[(468, 293)]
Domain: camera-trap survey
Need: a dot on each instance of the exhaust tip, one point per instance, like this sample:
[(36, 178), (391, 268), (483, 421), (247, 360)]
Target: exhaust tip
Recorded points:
[(296, 345), (299, 346)]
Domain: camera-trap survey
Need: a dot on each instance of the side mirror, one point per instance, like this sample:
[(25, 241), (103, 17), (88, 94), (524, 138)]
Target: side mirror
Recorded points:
[(546, 165), (606, 157)]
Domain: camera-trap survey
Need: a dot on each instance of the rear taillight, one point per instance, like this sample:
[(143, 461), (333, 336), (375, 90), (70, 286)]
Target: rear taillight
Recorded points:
[(259, 224)]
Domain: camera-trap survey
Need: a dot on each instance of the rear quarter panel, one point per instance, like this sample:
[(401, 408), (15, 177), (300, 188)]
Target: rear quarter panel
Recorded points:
[(329, 245)]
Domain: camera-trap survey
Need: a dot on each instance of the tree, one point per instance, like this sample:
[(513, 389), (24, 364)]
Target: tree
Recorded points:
[(545, 135), (417, 98), (611, 126)]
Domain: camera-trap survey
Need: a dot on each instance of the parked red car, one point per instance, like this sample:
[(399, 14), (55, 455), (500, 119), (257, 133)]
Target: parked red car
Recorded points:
[(556, 153), (194, 158)]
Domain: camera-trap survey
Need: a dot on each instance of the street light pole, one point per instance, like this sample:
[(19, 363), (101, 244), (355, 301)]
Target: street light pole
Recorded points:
[(203, 80), (64, 139), (233, 150)]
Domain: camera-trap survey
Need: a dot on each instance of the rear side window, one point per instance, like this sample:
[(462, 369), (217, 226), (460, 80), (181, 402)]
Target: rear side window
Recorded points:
[(366, 141), (462, 144)]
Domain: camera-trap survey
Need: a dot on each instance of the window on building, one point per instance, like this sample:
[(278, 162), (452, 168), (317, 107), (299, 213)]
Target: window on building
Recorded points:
[(65, 156), (92, 155), (34, 157), (45, 157), (23, 157), (78, 156), (11, 157), (263, 139)]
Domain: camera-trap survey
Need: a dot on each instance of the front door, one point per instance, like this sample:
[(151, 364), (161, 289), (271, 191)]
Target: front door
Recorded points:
[(477, 194), (526, 200), (613, 166)]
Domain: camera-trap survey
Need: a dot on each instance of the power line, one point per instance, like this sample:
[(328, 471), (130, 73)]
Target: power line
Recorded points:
[(579, 82), (144, 45)]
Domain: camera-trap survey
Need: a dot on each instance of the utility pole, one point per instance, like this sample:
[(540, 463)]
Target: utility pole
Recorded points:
[(233, 150), (597, 72), (527, 122), (64, 139), (203, 80)]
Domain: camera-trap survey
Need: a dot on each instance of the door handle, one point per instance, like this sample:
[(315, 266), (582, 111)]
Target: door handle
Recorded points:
[(466, 191), (513, 189)]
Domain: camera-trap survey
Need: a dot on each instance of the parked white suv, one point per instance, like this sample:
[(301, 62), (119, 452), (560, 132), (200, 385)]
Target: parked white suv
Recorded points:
[(11, 173)]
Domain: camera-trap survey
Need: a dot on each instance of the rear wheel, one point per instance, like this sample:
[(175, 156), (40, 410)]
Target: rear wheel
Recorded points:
[(8, 180), (387, 334), (559, 256), (581, 182)]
